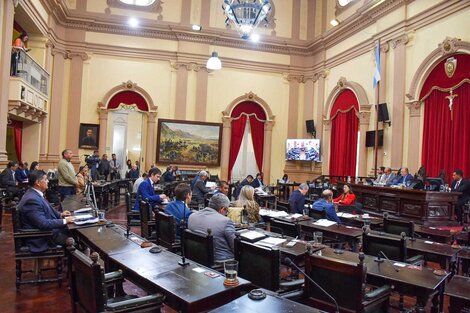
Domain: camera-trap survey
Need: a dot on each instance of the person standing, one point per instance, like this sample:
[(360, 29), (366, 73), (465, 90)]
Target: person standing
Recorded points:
[(67, 179), (459, 184), (18, 46), (297, 199), (104, 167), (115, 167)]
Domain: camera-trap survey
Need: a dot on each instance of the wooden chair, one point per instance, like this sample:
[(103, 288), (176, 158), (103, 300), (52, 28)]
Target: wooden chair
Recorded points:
[(88, 283), (283, 206), (291, 229), (394, 248), (395, 226), (199, 247), (22, 253), (147, 224), (166, 232), (133, 217), (345, 282), (317, 215), (261, 266)]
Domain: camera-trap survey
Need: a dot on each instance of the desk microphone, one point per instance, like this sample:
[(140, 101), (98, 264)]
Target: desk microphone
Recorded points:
[(291, 263), (391, 263)]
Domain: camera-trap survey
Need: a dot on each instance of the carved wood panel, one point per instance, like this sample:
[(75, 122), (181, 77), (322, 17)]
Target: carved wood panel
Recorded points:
[(438, 211), (412, 209), (389, 205)]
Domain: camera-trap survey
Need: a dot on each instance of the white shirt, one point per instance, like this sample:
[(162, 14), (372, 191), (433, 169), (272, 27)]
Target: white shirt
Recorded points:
[(137, 183)]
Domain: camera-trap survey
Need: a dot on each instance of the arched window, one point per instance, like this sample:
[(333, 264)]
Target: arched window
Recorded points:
[(344, 130)]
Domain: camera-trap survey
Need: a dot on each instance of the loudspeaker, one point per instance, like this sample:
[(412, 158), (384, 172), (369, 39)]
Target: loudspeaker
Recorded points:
[(310, 125), (383, 113)]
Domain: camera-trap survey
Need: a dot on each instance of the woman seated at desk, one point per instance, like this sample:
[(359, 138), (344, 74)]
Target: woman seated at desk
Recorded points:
[(347, 198), (247, 201), (284, 179)]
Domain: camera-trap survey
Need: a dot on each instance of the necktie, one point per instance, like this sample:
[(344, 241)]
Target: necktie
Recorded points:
[(457, 185)]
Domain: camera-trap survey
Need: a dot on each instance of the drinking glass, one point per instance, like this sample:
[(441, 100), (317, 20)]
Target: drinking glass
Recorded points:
[(305, 211), (231, 271), (317, 238)]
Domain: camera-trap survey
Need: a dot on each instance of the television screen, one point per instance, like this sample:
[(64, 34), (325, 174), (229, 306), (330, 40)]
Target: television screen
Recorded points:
[(303, 149), (370, 138)]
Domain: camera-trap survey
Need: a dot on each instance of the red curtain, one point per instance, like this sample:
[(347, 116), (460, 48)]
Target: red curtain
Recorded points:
[(257, 118), (344, 128), (238, 129), (18, 137), (446, 142), (128, 97), (257, 135)]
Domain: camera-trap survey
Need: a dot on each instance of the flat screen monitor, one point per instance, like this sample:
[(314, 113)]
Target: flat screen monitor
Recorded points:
[(370, 138), (434, 183), (303, 150)]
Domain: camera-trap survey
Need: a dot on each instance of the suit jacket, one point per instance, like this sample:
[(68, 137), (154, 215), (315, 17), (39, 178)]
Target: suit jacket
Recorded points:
[(36, 213), (21, 175), (296, 202), (257, 183), (464, 188), (200, 190), (323, 205), (146, 192), (404, 179), (223, 231), (8, 180), (176, 209)]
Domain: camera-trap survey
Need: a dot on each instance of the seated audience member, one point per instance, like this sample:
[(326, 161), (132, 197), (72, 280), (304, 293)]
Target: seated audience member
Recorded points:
[(170, 175), (347, 197), (223, 188), (460, 185), (34, 166), (138, 181), (223, 229), (247, 181), (258, 181), (405, 177), (146, 191), (20, 173), (247, 200), (179, 208), (36, 213), (200, 189), (26, 169), (133, 172), (326, 204), (380, 174), (388, 176), (7, 179), (297, 199), (397, 176), (284, 179), (82, 179)]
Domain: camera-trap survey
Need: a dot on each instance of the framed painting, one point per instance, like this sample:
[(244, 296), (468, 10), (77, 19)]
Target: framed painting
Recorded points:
[(189, 142), (89, 136)]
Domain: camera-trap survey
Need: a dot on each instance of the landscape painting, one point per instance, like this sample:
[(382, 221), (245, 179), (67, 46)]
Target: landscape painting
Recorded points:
[(188, 142)]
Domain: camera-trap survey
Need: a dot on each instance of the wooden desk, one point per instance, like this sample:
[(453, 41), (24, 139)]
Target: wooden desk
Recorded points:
[(185, 289), (420, 283), (271, 304), (432, 251), (415, 204), (458, 291), (434, 234), (334, 232)]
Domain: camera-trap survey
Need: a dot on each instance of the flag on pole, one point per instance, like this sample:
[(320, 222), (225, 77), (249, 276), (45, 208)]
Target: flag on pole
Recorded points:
[(377, 64)]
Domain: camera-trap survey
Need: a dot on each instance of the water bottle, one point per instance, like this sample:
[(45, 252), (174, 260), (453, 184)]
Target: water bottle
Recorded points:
[(349, 179)]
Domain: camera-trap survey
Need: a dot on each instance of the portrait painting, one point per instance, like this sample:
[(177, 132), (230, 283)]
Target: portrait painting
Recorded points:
[(189, 142), (89, 136)]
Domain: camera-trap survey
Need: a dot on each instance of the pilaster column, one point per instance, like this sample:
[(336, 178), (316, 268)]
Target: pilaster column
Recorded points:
[(150, 145), (308, 104), (320, 105), (75, 100), (398, 102), (57, 100), (201, 94), (181, 92), (384, 48), (205, 17), (226, 135), (364, 120), (292, 117), (296, 19), (326, 146), (413, 135), (103, 129), (5, 58), (186, 12), (268, 136)]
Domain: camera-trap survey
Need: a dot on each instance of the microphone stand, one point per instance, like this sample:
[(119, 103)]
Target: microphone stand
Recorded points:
[(183, 261), (291, 263), (391, 263)]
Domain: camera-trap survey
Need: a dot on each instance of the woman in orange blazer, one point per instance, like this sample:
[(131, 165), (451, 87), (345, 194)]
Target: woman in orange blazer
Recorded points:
[(347, 198)]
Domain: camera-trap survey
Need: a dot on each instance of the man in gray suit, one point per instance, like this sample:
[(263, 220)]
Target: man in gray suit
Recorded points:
[(223, 229)]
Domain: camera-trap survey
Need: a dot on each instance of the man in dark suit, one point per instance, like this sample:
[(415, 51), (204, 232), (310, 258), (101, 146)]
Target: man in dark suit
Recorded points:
[(20, 173), (460, 185), (146, 190), (104, 167), (258, 181), (247, 181), (200, 190), (297, 199), (36, 213), (405, 179), (8, 180)]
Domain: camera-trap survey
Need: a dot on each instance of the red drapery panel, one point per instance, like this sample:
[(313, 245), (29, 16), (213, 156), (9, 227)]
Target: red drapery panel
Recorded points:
[(18, 136), (128, 97), (257, 117), (446, 142), (344, 128), (257, 135), (238, 129)]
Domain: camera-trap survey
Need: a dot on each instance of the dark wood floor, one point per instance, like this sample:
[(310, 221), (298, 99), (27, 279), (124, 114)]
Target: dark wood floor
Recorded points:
[(50, 298)]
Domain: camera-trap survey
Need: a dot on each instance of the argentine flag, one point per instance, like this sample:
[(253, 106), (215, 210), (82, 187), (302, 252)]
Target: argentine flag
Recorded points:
[(377, 64)]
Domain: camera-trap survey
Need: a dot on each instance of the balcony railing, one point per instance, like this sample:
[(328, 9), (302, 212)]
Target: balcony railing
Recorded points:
[(25, 67)]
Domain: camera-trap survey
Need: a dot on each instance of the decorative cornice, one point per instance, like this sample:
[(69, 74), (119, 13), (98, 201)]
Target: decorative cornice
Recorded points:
[(191, 66), (415, 108), (364, 117), (402, 40), (83, 55), (250, 96), (25, 111), (449, 46), (129, 85)]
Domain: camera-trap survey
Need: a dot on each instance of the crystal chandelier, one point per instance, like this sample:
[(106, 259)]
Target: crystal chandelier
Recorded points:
[(246, 15)]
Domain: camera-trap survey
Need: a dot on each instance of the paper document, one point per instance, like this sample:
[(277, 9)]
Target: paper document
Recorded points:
[(211, 184), (346, 215), (252, 235), (270, 242), (324, 223), (83, 210), (82, 222), (83, 217), (296, 215), (270, 213)]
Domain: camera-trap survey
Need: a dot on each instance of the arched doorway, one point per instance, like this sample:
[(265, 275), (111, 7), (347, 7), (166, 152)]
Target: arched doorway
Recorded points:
[(256, 111), (127, 125)]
